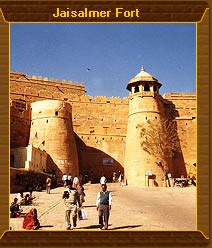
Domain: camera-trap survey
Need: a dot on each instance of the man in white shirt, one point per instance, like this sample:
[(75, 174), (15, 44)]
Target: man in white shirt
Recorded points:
[(103, 205)]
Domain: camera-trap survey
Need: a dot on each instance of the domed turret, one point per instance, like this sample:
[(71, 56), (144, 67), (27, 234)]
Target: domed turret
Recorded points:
[(143, 82)]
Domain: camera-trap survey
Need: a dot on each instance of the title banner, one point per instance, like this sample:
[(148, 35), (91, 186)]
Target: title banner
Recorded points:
[(102, 11)]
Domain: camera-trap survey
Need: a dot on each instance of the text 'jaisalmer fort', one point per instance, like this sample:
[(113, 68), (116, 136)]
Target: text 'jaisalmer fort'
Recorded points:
[(56, 128)]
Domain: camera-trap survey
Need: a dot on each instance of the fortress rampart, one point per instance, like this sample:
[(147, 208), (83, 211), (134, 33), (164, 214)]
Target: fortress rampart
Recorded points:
[(99, 123)]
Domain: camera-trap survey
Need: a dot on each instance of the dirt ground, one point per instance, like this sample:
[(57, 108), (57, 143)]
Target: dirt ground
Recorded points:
[(133, 208)]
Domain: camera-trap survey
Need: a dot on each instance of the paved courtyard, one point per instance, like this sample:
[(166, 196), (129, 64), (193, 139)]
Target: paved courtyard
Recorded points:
[(133, 208)]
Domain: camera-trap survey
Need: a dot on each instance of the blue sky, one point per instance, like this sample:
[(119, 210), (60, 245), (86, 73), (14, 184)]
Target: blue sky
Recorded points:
[(114, 53)]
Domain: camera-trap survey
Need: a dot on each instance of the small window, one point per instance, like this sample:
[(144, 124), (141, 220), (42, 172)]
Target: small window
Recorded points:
[(136, 89), (47, 121), (56, 113), (146, 87)]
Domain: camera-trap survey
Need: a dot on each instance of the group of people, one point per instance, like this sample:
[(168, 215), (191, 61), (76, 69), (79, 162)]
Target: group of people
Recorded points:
[(21, 199), (67, 179), (119, 177), (73, 197)]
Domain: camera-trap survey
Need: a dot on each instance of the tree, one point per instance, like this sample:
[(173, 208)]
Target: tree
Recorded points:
[(159, 138)]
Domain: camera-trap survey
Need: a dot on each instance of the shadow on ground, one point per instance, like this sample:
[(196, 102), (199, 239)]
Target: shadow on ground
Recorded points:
[(46, 226), (115, 228), (125, 227), (90, 227), (91, 206)]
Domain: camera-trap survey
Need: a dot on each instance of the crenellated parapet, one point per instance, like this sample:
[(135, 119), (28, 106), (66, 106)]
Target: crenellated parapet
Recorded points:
[(21, 83), (100, 99), (36, 88), (46, 79)]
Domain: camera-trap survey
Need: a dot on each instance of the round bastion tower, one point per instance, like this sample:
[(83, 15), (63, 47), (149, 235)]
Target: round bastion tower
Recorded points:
[(145, 105), (52, 131)]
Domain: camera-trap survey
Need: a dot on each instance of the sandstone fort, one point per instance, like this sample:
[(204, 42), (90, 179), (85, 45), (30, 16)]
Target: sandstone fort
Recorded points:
[(56, 128)]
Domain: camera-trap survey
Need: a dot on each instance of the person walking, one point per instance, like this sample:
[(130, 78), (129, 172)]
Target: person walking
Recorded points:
[(80, 190), (48, 184), (103, 179), (71, 200), (121, 179), (65, 179), (114, 177), (103, 206), (69, 179)]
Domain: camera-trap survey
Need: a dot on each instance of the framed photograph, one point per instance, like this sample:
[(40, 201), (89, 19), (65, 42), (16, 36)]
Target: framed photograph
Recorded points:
[(122, 84)]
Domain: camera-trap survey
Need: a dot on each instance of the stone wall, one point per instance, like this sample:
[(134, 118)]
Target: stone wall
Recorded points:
[(186, 119), (31, 158), (20, 118), (99, 123)]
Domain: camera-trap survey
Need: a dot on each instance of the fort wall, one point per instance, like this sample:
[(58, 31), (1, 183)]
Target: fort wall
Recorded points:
[(20, 118), (99, 123), (186, 119)]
